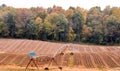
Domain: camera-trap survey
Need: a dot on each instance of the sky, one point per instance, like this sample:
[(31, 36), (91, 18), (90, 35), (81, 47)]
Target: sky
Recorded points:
[(65, 4)]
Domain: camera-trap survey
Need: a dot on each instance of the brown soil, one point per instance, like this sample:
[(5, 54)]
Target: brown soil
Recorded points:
[(15, 52)]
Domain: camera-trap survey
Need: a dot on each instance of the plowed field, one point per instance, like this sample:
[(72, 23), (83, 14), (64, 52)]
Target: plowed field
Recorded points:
[(16, 52)]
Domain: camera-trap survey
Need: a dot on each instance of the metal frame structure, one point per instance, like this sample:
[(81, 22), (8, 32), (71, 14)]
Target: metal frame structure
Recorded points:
[(60, 51), (34, 61)]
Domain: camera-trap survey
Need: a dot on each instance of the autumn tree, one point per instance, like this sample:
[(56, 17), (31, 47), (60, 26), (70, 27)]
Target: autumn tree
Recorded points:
[(55, 23), (3, 29), (95, 22), (113, 30), (22, 16), (10, 20), (56, 26), (77, 20), (107, 10), (71, 34)]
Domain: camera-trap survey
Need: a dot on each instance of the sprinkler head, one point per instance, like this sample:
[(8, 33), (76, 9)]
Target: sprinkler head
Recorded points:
[(71, 53), (61, 53), (46, 68), (60, 68)]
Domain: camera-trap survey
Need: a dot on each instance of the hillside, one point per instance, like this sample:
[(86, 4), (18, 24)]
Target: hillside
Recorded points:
[(15, 52)]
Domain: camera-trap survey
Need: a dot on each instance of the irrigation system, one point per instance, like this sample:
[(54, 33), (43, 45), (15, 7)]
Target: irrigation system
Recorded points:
[(60, 51)]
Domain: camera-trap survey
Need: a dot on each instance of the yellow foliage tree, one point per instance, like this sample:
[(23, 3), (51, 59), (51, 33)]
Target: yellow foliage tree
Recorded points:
[(71, 34), (38, 20), (116, 13), (69, 13), (87, 31), (83, 12)]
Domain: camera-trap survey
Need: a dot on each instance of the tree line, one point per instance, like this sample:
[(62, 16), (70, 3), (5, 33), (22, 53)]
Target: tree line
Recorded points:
[(72, 25)]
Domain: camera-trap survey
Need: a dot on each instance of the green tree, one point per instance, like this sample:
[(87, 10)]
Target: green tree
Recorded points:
[(56, 26), (3, 29), (95, 22), (113, 30), (77, 20), (10, 20), (71, 34), (61, 29), (31, 30)]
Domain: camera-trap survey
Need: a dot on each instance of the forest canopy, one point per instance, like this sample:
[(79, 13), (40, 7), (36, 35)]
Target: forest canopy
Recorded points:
[(57, 24)]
